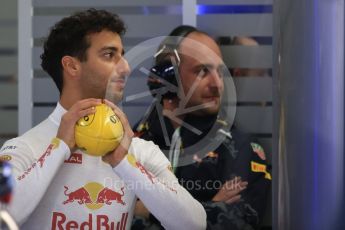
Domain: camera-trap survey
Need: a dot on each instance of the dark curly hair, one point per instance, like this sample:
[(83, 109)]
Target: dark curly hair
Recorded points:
[(69, 37)]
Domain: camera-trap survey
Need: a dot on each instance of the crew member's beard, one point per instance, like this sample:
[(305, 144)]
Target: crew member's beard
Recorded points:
[(207, 108), (212, 109)]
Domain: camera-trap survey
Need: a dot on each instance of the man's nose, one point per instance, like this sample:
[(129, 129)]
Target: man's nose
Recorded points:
[(216, 80), (123, 67)]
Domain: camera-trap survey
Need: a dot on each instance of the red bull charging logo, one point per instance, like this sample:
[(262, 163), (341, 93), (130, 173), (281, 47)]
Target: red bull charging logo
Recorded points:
[(94, 196)]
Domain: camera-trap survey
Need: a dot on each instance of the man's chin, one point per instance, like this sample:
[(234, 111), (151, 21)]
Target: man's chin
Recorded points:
[(208, 111), (114, 97), (211, 111)]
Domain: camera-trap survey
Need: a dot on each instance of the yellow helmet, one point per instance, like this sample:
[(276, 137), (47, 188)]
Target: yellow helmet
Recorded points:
[(99, 133)]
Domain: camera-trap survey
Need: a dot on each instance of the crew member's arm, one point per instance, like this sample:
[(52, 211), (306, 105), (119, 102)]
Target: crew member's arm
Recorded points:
[(228, 203), (257, 170), (252, 167)]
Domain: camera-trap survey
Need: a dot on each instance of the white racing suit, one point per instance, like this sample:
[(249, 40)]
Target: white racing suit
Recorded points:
[(59, 189)]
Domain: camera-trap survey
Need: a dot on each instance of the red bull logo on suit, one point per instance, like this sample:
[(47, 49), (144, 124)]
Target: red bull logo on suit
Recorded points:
[(94, 195)]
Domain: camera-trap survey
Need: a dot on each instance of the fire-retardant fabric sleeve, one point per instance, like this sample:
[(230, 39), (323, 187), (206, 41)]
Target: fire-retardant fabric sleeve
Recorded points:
[(161, 193), (32, 172)]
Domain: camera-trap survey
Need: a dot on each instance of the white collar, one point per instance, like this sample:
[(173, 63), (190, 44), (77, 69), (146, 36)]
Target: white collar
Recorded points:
[(57, 113)]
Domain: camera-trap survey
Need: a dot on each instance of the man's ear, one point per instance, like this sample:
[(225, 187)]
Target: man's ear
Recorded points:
[(71, 65)]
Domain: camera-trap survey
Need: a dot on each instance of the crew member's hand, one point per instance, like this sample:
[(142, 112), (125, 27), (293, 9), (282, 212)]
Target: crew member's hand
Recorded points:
[(121, 151), (69, 119), (229, 193)]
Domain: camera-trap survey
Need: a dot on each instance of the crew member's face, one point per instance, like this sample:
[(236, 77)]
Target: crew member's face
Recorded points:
[(201, 73), (105, 70)]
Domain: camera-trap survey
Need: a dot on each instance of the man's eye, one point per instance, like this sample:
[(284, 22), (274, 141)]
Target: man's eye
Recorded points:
[(203, 72), (109, 55)]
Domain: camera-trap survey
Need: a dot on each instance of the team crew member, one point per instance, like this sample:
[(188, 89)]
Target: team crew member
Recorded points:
[(58, 186), (231, 179)]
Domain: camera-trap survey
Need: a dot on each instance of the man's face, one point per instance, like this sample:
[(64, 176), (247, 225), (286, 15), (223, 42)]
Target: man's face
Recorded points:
[(201, 73), (105, 70)]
